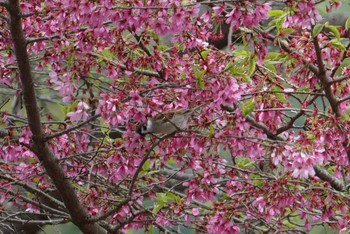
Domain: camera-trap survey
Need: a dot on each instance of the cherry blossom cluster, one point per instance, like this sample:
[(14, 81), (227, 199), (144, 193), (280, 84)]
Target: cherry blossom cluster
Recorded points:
[(269, 141)]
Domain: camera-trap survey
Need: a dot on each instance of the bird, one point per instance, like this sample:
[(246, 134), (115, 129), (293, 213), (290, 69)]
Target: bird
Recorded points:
[(166, 122)]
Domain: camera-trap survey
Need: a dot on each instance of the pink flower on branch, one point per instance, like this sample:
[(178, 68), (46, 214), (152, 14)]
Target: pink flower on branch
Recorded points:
[(81, 112), (242, 16), (271, 114), (221, 224), (304, 16)]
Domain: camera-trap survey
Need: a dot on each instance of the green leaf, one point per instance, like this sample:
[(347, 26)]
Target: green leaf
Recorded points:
[(337, 43), (161, 200), (256, 182), (146, 165), (245, 29), (272, 23), (163, 47), (277, 22), (211, 130), (241, 53), (243, 162), (71, 107), (107, 54), (275, 13), (270, 65), (200, 82), (245, 43), (252, 66), (150, 229), (248, 107), (272, 55), (174, 197), (334, 30), (171, 161), (346, 115), (228, 66), (30, 195), (317, 29), (347, 24), (287, 30), (244, 76), (331, 169), (205, 53), (279, 96), (71, 57)]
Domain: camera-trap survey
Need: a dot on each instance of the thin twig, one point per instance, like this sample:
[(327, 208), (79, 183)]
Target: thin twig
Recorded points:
[(72, 128), (145, 158)]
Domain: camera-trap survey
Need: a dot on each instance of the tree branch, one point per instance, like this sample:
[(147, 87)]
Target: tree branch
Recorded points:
[(324, 175), (32, 40), (123, 67), (294, 118), (340, 79), (321, 74), (36, 222), (34, 191), (320, 172), (78, 214), (145, 158), (345, 55), (72, 128), (343, 99), (113, 210)]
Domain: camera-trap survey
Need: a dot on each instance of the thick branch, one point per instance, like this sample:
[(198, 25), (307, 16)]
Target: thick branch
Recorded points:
[(340, 79), (321, 74), (344, 99), (32, 40), (325, 176), (334, 102), (289, 125), (79, 215)]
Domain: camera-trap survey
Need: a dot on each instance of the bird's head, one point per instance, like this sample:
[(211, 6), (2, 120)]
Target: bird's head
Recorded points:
[(142, 130)]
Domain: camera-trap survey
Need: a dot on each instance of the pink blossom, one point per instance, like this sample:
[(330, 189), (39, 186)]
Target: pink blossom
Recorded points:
[(80, 113), (260, 203), (195, 211), (220, 224), (25, 136), (220, 8), (305, 15)]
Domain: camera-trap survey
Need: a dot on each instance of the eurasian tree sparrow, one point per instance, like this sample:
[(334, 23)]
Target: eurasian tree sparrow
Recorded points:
[(167, 122)]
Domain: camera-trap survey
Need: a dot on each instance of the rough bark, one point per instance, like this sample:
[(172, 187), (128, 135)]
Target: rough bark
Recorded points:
[(78, 213)]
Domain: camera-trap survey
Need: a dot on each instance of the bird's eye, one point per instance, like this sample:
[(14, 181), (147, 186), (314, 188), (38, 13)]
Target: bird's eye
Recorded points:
[(139, 129)]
